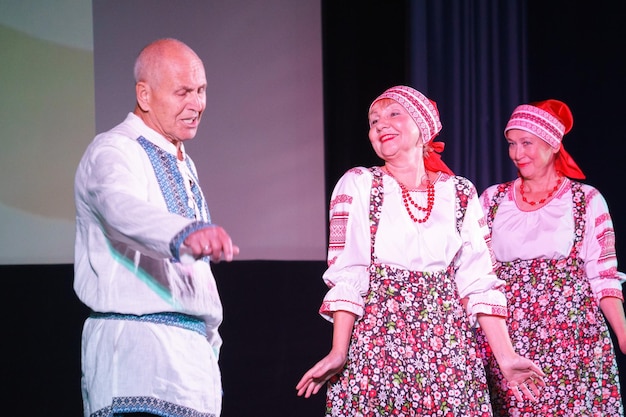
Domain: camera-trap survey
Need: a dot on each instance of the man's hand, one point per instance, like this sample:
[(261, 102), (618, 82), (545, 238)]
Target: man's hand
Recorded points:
[(211, 241)]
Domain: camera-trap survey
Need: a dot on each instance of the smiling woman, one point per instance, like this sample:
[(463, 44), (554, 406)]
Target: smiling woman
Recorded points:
[(409, 275), (553, 240)]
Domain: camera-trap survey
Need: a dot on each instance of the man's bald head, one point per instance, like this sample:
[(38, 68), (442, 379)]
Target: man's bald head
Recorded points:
[(153, 57)]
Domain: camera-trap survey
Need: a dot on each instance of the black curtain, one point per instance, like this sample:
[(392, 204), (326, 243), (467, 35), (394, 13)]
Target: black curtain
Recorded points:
[(469, 56), (478, 59), (365, 51)]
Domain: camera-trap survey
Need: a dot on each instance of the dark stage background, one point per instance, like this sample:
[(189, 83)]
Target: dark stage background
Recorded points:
[(272, 332)]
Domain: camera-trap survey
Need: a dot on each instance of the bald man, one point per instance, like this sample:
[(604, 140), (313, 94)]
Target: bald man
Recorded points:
[(144, 243)]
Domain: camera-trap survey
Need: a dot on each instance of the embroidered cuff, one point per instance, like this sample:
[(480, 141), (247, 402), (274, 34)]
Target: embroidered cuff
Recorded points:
[(484, 308), (611, 292), (330, 306), (180, 237)]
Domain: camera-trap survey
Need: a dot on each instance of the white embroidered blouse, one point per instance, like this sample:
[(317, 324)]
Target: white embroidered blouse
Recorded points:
[(548, 232), (430, 246)]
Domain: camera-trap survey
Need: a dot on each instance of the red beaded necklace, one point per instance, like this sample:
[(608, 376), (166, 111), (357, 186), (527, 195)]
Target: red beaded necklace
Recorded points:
[(408, 200), (543, 200), (406, 197)]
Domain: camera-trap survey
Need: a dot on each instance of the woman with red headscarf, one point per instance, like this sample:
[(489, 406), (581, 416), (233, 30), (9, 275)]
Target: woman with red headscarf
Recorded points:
[(554, 244), (407, 245)]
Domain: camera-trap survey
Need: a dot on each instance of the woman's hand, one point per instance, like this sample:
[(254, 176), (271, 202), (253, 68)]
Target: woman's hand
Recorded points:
[(523, 376), (320, 373)]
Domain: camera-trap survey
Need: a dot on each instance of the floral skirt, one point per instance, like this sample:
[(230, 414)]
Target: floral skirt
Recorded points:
[(555, 321), (412, 353)]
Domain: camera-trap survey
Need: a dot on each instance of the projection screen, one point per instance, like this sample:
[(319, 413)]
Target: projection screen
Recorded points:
[(67, 74)]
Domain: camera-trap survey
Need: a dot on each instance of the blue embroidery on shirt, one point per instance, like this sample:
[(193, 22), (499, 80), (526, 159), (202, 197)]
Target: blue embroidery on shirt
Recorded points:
[(172, 185), (181, 320), (122, 406)]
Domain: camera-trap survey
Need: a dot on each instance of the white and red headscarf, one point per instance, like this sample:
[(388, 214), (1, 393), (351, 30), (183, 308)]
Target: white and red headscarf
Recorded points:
[(424, 113), (549, 120)]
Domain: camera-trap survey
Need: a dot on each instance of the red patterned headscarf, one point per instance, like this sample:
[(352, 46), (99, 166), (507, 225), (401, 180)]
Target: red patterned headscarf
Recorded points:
[(549, 120), (424, 113)]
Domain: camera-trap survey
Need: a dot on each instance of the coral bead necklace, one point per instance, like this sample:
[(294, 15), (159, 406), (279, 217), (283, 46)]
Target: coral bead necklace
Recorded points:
[(409, 202), (543, 200)]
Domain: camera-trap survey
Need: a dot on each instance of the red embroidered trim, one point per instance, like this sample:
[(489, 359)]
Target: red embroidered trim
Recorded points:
[(594, 192), (337, 234), (341, 198), (604, 217), (606, 239), (482, 222), (612, 292), (494, 310), (610, 273), (326, 305)]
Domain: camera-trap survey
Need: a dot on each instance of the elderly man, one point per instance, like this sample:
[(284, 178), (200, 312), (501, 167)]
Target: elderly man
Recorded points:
[(144, 243)]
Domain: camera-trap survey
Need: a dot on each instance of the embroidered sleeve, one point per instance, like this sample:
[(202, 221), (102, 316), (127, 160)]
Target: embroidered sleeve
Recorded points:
[(599, 247), (347, 276), (475, 277)]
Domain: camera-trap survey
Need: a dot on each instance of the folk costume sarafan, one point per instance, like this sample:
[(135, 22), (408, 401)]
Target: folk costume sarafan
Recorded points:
[(558, 261), (132, 279), (412, 351), (410, 274)]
